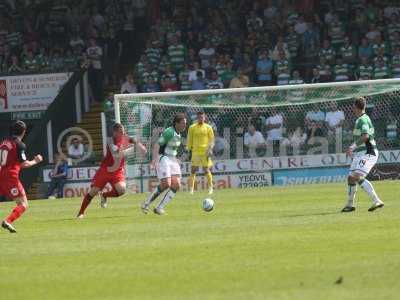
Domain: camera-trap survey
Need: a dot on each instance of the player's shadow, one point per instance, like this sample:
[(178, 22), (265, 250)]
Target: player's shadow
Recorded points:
[(312, 214), (90, 218)]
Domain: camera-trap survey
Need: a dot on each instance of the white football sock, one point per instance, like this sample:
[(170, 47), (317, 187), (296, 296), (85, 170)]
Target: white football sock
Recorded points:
[(153, 196), (167, 198), (352, 194), (367, 187)]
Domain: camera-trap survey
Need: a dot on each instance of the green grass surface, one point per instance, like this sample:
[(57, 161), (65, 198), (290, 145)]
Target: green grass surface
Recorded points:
[(273, 243)]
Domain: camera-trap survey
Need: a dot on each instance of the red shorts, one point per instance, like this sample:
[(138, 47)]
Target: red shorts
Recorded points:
[(11, 188), (103, 177)]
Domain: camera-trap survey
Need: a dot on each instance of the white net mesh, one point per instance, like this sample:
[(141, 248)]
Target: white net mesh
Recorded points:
[(292, 120)]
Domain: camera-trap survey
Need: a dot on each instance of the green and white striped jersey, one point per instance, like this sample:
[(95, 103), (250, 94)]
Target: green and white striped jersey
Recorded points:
[(177, 56), (169, 142), (364, 126)]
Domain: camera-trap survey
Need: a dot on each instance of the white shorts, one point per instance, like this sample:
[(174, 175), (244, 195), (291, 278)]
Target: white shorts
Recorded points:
[(363, 163), (168, 166)]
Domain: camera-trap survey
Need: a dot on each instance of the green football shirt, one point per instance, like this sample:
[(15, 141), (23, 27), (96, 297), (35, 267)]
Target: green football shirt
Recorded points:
[(169, 142), (364, 126)]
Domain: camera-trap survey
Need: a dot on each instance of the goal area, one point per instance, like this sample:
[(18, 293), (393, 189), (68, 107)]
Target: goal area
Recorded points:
[(301, 122)]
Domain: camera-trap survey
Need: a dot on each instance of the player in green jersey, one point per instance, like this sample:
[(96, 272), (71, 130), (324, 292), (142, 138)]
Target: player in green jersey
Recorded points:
[(365, 155), (167, 165)]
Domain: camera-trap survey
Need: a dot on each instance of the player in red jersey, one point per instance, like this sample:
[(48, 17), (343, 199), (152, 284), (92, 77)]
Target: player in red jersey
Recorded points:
[(12, 159), (112, 169)]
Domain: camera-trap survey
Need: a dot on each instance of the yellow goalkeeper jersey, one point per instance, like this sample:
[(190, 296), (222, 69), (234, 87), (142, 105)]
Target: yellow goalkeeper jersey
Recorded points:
[(200, 137)]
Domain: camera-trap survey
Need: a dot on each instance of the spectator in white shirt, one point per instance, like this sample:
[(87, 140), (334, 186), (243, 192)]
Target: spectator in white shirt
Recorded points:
[(129, 86), (373, 32), (205, 54), (76, 149), (274, 126), (334, 118), (193, 72), (253, 141), (221, 147), (296, 140), (301, 25), (314, 122)]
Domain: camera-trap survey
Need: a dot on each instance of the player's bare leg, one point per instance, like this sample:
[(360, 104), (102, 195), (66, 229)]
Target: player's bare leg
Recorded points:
[(117, 190), (86, 201), (164, 185), (208, 174), (22, 205), (192, 179), (174, 184)]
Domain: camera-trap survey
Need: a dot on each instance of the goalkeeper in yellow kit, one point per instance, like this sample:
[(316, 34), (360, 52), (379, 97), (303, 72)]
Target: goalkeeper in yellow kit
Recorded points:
[(200, 142)]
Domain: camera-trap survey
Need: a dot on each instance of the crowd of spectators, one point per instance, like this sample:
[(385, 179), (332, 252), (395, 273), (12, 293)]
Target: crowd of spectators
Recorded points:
[(197, 44), (58, 36), (216, 44)]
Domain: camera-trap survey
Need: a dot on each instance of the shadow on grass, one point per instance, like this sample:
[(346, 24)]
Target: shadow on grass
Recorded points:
[(313, 214), (86, 218)]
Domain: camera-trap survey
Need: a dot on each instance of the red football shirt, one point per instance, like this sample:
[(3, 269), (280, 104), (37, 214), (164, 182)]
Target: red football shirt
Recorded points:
[(111, 162), (12, 154)]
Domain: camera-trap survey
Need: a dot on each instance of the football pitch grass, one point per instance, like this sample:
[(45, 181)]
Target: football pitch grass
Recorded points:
[(272, 243)]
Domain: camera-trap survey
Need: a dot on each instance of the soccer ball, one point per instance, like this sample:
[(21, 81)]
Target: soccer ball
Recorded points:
[(208, 204)]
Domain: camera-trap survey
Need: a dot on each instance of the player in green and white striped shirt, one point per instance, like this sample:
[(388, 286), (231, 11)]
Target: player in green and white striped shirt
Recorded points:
[(365, 155), (167, 165)]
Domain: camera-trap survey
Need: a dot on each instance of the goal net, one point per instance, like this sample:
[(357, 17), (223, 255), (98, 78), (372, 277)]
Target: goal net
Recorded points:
[(262, 129)]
